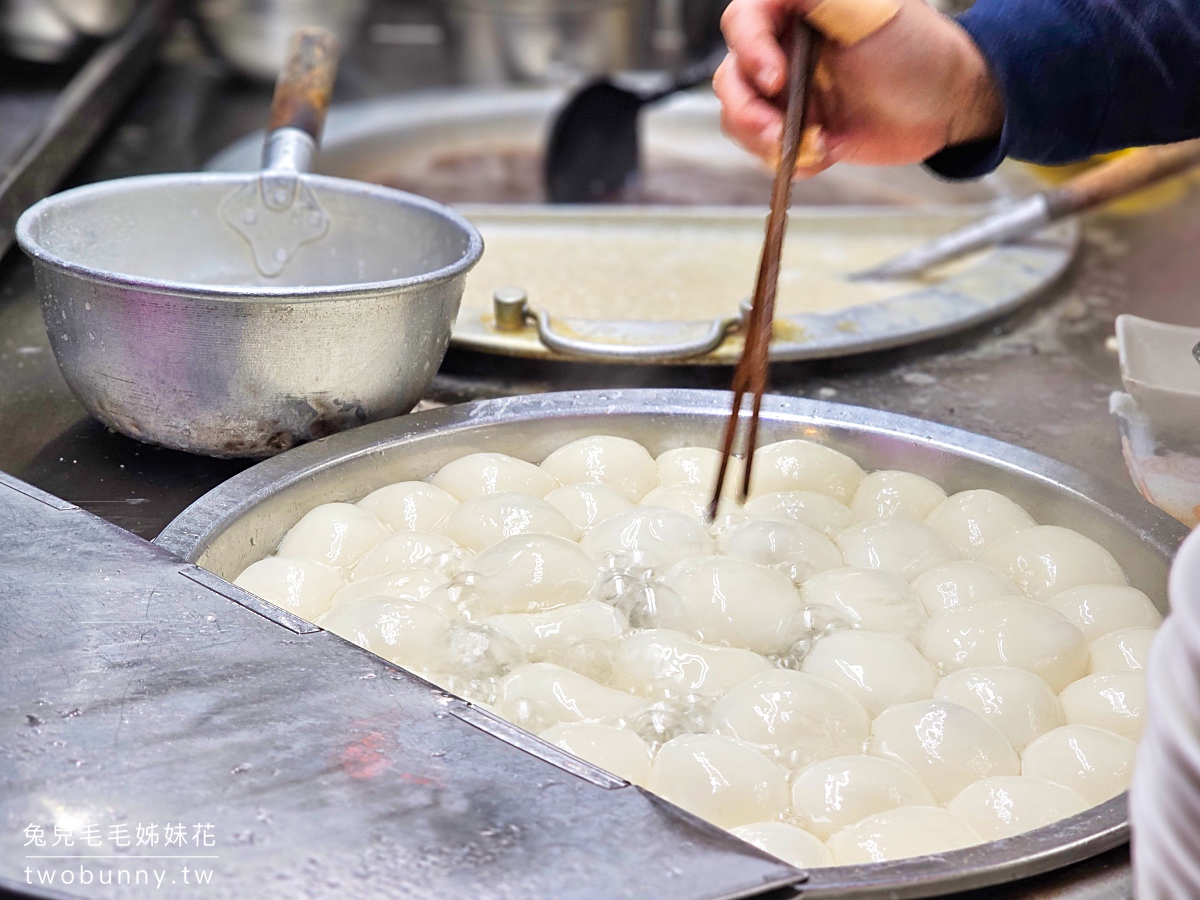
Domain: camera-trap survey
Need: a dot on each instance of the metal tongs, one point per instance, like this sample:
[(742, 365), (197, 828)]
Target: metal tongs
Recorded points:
[(752, 370)]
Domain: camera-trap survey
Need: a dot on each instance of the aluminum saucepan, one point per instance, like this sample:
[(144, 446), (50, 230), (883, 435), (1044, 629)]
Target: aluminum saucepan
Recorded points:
[(243, 519), (239, 315)]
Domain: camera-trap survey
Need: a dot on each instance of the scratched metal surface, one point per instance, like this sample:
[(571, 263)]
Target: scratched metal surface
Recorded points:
[(132, 695)]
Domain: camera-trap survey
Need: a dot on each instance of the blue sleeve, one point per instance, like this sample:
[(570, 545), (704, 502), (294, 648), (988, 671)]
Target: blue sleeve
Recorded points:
[(1081, 77)]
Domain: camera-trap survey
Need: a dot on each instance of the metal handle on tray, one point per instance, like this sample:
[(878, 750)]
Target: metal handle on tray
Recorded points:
[(512, 312)]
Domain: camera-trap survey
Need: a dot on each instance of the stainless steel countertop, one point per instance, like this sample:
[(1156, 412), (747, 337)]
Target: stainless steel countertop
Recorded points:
[(1040, 379)]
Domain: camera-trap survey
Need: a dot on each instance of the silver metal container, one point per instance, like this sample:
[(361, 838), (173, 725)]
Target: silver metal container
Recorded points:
[(243, 520), (166, 331), (539, 41), (238, 315)]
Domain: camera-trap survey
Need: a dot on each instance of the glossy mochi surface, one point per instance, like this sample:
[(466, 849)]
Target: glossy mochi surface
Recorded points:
[(795, 717), (899, 833), (886, 493), (787, 842), (618, 751), (620, 464), (481, 474), (297, 585), (798, 465), (719, 778), (947, 745), (334, 534), (969, 521), (1046, 560), (587, 505), (835, 793), (1008, 631), (648, 537), (479, 523), (877, 668), (1094, 763), (722, 600), (1017, 702), (818, 511), (847, 667), (1005, 805), (867, 598), (409, 506)]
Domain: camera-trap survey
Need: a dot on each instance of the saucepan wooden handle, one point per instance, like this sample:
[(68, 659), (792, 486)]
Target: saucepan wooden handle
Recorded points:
[(1122, 176), (305, 85)]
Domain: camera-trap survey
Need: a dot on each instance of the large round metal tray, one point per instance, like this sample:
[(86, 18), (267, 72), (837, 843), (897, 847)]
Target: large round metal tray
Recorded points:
[(243, 519), (860, 206)]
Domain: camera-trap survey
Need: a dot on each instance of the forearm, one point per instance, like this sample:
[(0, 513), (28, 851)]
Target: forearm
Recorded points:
[(1080, 77)]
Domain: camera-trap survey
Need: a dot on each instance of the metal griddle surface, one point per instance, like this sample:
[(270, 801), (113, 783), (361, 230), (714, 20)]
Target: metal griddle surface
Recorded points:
[(133, 695)]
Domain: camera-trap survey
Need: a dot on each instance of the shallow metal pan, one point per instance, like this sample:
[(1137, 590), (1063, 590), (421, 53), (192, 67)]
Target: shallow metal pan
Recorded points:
[(244, 519)]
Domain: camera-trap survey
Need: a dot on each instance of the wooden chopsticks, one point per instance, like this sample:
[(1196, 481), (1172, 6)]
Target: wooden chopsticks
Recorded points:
[(750, 376)]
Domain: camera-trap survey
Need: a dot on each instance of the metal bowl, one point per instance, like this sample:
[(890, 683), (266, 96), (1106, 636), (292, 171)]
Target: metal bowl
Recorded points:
[(166, 330), (243, 520)]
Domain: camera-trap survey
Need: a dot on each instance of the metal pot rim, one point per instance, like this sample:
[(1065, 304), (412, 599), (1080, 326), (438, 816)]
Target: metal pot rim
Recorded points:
[(1059, 844), (238, 293)]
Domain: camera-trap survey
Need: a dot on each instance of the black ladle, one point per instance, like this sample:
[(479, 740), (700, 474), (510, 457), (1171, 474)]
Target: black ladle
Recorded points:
[(593, 151)]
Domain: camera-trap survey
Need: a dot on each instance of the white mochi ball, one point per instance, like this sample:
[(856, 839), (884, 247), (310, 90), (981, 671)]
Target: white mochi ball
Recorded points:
[(1046, 560), (411, 550), (818, 511), (409, 633), (876, 668), (947, 745), (698, 466), (720, 779), (798, 465), (1009, 631), (481, 474), (479, 523), (730, 601), (693, 502), (538, 696), (548, 636), (407, 584), (787, 842), (587, 505), (796, 717), (1098, 609), (900, 834), (334, 534), (1125, 650), (959, 584), (971, 520), (1017, 702), (300, 586), (831, 794), (1005, 805), (409, 505), (532, 572), (899, 546), (796, 550), (650, 537), (885, 494), (867, 598), (663, 664), (617, 463), (613, 749), (1094, 763), (1114, 701)]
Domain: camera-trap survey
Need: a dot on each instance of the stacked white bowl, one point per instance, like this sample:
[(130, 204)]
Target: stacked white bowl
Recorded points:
[(1165, 795)]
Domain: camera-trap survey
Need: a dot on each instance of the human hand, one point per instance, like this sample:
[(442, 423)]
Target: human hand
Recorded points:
[(914, 86)]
